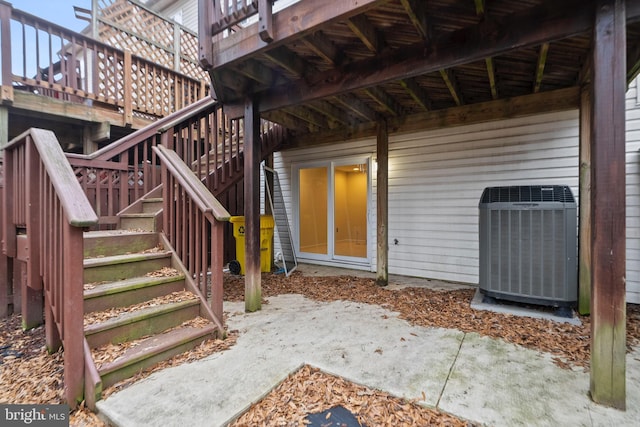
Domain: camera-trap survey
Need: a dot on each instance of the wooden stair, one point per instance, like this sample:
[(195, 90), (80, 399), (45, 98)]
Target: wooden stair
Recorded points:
[(139, 309)]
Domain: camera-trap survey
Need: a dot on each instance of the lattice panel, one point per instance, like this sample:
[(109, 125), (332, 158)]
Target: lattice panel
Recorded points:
[(126, 25), (110, 77)]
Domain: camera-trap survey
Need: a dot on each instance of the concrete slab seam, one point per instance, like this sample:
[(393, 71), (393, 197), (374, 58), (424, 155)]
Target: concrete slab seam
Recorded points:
[(263, 395), (444, 386)]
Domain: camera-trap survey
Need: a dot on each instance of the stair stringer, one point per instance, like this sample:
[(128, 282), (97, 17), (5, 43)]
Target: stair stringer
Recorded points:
[(191, 286)]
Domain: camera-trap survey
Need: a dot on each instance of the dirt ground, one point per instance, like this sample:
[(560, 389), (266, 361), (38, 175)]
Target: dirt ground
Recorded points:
[(30, 375)]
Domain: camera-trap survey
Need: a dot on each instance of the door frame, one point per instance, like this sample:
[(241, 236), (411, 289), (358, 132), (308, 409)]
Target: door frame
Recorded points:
[(330, 258)]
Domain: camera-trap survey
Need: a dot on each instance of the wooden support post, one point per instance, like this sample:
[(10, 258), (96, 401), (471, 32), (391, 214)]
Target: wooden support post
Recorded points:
[(252, 155), (128, 88), (32, 294), (6, 74), (4, 129), (6, 270), (584, 230), (95, 31), (608, 310), (382, 178), (265, 18), (206, 15), (176, 48), (73, 333), (51, 333), (217, 261)]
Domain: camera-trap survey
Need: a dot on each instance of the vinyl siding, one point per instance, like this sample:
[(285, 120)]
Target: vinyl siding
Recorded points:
[(436, 179), (633, 192)]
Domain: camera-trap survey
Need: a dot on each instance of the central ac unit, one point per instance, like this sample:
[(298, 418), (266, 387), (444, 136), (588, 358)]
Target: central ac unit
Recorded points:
[(528, 244)]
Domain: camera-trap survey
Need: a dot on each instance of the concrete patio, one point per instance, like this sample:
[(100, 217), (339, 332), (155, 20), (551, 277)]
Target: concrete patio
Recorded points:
[(476, 378)]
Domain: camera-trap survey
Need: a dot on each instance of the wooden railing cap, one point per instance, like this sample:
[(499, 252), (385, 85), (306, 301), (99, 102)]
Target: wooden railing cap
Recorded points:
[(196, 189), (75, 204)]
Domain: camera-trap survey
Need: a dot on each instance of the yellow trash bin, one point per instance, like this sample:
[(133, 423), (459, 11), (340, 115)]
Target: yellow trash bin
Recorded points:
[(266, 237)]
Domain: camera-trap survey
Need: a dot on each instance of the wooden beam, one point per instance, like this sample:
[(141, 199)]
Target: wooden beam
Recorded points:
[(385, 101), (324, 48), (544, 102), (291, 23), (452, 83), (491, 73), (258, 72), (542, 61), (252, 158), (310, 117), (382, 204), (366, 32), (608, 309), (352, 103), (417, 12), (30, 105), (552, 20), (633, 61), (288, 60), (290, 122), (334, 113), (584, 217), (416, 92)]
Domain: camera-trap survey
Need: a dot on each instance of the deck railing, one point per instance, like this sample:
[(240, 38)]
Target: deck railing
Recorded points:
[(130, 25), (121, 173), (42, 197), (193, 222), (43, 58), (218, 18)]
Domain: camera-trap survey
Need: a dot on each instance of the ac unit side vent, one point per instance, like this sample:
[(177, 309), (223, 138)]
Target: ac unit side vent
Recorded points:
[(528, 244)]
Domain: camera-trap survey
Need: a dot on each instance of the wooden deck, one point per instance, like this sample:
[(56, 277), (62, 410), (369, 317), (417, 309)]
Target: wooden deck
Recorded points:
[(57, 79), (337, 70)]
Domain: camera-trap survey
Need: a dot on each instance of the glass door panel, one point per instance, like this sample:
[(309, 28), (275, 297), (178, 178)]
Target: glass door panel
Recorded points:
[(313, 210), (350, 210)]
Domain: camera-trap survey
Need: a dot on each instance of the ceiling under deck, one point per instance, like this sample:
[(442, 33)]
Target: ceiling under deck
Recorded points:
[(336, 66)]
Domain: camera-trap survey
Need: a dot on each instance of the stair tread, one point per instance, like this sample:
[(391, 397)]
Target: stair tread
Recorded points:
[(124, 258), (128, 284), (156, 344), (138, 215), (153, 199), (107, 233), (129, 317)]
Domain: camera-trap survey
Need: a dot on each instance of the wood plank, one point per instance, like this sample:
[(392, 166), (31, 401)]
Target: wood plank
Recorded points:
[(323, 47), (559, 100), (291, 23), (608, 309), (549, 21), (584, 217), (252, 158), (452, 83), (385, 100), (416, 10), (382, 207), (542, 61), (361, 27), (416, 92)]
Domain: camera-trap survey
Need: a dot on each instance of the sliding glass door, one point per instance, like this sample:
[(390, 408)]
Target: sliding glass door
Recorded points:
[(333, 201)]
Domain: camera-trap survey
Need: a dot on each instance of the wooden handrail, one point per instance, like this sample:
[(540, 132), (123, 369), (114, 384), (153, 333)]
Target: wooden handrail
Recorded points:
[(205, 200), (77, 209), (42, 195), (193, 225), (159, 126)]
